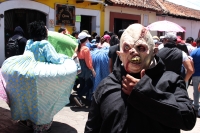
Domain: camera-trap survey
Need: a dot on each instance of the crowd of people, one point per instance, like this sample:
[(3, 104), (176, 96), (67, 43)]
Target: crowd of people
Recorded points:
[(132, 81)]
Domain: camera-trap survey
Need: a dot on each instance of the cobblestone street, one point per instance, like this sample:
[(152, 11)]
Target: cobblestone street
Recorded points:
[(69, 120)]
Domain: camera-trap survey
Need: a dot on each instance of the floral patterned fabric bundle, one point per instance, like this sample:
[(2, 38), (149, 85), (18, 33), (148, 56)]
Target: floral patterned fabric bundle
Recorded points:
[(37, 90), (3, 95)]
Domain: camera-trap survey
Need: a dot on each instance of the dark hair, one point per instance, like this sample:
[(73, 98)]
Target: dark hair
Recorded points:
[(114, 40), (105, 32), (98, 38), (120, 32), (61, 29), (75, 33), (37, 30), (81, 41), (94, 34), (189, 40), (110, 33), (182, 47), (198, 41)]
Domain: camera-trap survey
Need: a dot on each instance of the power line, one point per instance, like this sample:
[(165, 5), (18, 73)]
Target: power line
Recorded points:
[(193, 3), (186, 4)]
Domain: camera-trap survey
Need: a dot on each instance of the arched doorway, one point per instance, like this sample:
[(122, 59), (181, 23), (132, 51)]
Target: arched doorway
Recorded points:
[(20, 5), (20, 17)]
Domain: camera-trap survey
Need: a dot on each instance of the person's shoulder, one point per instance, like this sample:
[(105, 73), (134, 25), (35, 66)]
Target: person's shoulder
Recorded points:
[(23, 40), (15, 36), (103, 84), (195, 53), (195, 50), (175, 49), (29, 41), (85, 48), (171, 76), (113, 48), (106, 86), (160, 51), (45, 42)]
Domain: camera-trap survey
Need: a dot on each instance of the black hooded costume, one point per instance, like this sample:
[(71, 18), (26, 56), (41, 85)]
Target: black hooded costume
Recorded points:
[(22, 42), (159, 103)]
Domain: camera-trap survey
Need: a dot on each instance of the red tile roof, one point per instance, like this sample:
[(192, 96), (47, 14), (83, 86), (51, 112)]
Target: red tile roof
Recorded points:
[(161, 6), (178, 10), (148, 4)]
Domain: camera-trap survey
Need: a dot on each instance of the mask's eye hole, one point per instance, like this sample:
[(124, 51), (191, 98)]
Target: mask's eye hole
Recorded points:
[(141, 48), (126, 47)]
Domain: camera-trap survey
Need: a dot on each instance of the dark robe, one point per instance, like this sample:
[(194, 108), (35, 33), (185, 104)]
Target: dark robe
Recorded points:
[(159, 103), (22, 42)]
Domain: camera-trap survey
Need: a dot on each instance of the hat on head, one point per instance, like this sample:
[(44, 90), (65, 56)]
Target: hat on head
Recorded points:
[(170, 36), (83, 35), (86, 31), (161, 37), (156, 38), (155, 41), (106, 37)]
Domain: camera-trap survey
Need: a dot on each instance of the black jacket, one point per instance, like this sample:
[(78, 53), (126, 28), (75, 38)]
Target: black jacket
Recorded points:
[(182, 47), (172, 57), (112, 53), (159, 103), (22, 42)]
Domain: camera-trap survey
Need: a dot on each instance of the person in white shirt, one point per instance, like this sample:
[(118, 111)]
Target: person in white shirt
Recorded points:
[(188, 43)]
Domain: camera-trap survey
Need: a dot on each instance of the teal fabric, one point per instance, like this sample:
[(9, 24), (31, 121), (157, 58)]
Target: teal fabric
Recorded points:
[(64, 44), (44, 52), (37, 90)]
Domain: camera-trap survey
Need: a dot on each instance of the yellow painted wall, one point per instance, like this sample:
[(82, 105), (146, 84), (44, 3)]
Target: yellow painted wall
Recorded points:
[(86, 5)]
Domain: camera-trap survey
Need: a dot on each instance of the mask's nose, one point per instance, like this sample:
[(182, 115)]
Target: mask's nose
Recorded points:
[(132, 51)]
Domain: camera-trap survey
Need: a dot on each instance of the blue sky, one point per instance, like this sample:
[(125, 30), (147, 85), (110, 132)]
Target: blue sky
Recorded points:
[(195, 4)]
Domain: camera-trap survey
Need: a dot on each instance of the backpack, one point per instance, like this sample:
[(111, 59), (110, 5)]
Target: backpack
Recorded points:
[(12, 47)]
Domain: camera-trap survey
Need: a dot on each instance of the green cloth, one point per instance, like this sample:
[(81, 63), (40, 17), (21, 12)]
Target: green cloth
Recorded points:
[(64, 44)]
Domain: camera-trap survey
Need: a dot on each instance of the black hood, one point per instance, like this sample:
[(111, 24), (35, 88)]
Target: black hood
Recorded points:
[(18, 31)]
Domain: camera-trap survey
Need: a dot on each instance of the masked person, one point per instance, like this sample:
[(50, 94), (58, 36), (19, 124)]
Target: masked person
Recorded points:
[(139, 95)]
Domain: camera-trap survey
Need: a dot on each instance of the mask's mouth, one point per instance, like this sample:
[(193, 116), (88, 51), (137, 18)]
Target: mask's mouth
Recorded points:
[(136, 60)]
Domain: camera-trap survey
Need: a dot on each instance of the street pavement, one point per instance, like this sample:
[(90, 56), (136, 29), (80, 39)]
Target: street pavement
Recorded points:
[(70, 119)]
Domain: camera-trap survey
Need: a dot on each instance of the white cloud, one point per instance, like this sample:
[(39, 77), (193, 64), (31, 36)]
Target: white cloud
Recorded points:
[(195, 4)]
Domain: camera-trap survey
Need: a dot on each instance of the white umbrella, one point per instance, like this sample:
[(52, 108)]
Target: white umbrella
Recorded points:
[(165, 26)]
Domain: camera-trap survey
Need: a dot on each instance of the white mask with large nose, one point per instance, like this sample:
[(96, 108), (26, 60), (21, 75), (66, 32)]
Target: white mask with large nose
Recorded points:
[(136, 48)]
